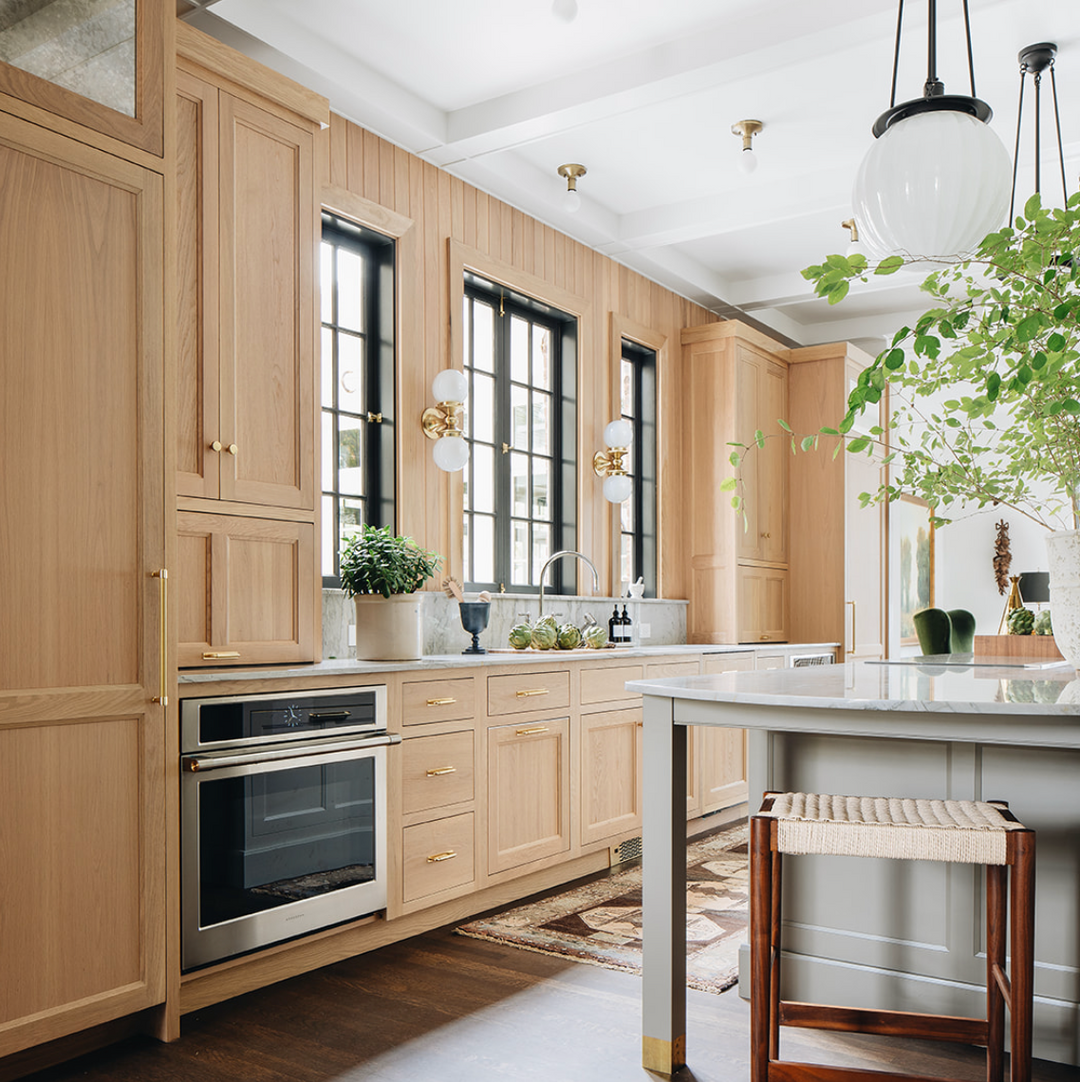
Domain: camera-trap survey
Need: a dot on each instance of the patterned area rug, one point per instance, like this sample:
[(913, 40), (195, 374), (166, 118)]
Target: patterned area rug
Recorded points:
[(600, 923)]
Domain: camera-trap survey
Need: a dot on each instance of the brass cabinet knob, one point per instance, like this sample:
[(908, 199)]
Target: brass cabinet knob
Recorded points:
[(216, 445), (233, 448)]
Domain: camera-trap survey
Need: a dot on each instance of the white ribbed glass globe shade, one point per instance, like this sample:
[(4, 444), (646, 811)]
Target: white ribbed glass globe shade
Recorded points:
[(618, 434), (617, 489), (450, 453), (450, 385), (934, 184)]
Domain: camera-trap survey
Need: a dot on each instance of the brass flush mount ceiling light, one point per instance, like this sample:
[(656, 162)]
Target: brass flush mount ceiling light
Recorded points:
[(936, 180), (747, 129), (572, 201)]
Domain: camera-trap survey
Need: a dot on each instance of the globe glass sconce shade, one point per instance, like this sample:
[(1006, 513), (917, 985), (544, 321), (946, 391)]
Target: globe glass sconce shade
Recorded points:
[(443, 422), (934, 184), (450, 385), (618, 435), (451, 453)]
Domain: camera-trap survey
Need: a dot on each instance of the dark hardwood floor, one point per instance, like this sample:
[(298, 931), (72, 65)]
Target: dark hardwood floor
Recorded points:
[(443, 1008)]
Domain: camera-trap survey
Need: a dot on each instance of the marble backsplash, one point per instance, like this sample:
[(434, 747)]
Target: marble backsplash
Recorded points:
[(443, 633)]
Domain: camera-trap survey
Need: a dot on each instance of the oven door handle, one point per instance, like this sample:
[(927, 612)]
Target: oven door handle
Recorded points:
[(194, 764)]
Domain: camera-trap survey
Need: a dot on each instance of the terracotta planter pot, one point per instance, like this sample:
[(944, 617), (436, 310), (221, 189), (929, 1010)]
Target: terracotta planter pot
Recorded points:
[(389, 628), (1063, 551)]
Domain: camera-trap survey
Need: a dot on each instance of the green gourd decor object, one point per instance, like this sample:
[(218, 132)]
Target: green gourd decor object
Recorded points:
[(934, 629), (962, 637)]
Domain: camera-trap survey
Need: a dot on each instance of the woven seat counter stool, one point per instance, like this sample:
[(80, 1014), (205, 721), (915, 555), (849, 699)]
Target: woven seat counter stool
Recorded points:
[(952, 831)]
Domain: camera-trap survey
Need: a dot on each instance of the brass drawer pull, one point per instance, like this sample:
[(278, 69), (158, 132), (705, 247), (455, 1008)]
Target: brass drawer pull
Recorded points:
[(442, 702), (220, 655), (532, 731), (162, 696), (439, 771), (441, 856), (764, 638), (525, 693)]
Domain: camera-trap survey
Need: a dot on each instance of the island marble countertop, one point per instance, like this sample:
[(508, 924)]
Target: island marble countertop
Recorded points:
[(351, 667), (993, 686)]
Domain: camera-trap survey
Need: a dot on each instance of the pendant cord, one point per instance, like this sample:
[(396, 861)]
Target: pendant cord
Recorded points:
[(1016, 149), (971, 56), (931, 42), (1057, 124), (896, 52)]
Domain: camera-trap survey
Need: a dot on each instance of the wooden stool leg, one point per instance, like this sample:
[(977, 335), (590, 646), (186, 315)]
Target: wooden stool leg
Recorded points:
[(774, 948), (760, 937), (1022, 970), (996, 920)]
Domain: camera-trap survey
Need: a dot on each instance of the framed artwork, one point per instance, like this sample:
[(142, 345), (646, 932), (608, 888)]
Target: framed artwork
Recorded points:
[(912, 516)]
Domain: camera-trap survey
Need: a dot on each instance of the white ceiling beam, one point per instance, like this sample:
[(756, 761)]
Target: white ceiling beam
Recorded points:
[(668, 70)]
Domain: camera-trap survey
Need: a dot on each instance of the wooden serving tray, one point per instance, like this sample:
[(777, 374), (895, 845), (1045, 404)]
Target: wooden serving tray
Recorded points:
[(1035, 647)]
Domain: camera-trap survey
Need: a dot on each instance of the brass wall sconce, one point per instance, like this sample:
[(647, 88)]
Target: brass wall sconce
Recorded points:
[(443, 422), (618, 435)]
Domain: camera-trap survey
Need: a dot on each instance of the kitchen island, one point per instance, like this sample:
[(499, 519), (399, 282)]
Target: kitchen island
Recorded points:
[(891, 934)]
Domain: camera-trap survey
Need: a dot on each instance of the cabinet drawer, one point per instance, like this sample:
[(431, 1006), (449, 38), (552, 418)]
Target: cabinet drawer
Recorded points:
[(424, 701), (605, 684), (438, 856), (712, 664), (660, 669), (523, 692), (436, 771)]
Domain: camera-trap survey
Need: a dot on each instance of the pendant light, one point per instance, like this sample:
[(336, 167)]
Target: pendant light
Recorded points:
[(1037, 59), (936, 180)]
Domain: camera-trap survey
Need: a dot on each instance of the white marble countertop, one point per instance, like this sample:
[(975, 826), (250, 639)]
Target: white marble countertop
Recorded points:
[(351, 667), (1002, 686)]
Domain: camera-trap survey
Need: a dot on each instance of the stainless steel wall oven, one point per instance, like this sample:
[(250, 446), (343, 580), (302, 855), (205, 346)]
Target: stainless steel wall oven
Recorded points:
[(283, 817)]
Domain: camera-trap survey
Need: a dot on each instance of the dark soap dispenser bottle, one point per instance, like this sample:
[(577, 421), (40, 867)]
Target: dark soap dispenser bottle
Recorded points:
[(615, 627), (627, 623)]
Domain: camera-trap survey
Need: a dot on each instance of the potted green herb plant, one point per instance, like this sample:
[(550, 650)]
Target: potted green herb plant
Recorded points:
[(984, 389), (383, 573)]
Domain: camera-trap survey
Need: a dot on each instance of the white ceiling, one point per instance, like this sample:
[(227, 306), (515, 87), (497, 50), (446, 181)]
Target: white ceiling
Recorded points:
[(501, 92)]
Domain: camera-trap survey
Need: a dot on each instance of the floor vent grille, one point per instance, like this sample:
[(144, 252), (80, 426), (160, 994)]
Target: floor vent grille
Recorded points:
[(627, 850)]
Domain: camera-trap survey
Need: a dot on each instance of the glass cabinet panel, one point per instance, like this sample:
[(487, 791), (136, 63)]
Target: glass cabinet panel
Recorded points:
[(87, 46)]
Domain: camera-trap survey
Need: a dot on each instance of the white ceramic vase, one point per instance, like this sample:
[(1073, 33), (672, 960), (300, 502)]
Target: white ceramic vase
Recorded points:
[(389, 628), (1063, 552)]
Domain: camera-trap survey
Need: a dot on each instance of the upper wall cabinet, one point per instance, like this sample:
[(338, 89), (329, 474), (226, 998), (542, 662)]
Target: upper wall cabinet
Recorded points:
[(246, 248), (97, 66), (737, 385)]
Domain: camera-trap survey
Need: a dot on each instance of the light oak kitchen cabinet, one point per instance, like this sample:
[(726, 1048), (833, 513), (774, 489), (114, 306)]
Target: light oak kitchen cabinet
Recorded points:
[(838, 568), (247, 237), (738, 565), (83, 672)]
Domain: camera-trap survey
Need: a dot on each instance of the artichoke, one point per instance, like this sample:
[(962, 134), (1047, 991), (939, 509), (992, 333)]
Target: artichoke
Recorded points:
[(547, 620), (1021, 622), (544, 636), (569, 637), (1043, 625), (595, 637), (520, 636)]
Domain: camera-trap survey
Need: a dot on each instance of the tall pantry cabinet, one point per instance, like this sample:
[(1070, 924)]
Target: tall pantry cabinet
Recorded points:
[(738, 562), (83, 667), (248, 227)]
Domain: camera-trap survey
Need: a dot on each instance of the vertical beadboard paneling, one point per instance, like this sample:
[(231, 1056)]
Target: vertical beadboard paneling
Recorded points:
[(444, 207)]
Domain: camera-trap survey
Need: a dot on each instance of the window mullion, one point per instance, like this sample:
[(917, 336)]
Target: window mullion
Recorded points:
[(504, 503)]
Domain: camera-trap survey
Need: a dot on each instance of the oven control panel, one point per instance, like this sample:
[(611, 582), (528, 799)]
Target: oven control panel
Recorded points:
[(244, 720)]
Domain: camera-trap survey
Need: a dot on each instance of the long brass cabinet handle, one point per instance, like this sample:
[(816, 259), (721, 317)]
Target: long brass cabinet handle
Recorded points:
[(435, 858), (220, 655), (852, 604), (439, 771), (532, 731), (442, 702), (163, 676), (526, 693)]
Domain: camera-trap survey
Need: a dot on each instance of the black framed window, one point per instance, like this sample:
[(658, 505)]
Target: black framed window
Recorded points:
[(357, 286), (637, 389), (521, 478)]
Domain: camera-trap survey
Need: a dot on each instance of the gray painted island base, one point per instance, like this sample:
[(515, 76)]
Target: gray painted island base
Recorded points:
[(890, 934)]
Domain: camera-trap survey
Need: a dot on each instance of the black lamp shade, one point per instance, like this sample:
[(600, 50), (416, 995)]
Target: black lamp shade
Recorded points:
[(1035, 587)]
